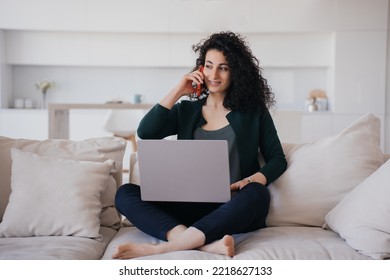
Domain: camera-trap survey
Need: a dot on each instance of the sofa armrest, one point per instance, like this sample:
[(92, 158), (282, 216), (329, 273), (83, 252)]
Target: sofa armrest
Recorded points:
[(386, 157)]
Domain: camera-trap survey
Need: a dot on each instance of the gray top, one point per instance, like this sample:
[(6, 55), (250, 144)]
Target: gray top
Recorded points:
[(225, 133)]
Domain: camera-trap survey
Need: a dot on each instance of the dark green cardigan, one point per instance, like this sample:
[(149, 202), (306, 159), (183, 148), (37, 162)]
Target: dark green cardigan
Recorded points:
[(254, 131)]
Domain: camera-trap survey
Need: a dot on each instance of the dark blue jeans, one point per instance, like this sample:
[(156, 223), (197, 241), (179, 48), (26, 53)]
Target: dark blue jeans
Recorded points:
[(246, 211)]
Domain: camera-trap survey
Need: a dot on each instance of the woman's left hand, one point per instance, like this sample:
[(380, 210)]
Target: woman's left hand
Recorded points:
[(238, 185), (257, 177)]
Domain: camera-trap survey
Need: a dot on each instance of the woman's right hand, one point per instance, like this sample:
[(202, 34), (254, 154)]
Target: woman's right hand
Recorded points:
[(183, 88), (187, 81)]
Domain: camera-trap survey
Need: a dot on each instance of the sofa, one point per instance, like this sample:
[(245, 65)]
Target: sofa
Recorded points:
[(332, 202)]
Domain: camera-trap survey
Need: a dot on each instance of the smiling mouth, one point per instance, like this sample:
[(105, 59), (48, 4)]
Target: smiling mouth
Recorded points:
[(214, 83)]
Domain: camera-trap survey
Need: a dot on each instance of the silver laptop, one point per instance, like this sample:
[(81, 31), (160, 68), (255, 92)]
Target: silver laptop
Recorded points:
[(184, 170)]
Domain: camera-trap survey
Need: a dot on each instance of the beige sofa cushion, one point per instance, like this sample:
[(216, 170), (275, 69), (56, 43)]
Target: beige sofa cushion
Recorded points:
[(362, 218), (97, 150), (5, 172), (54, 196), (321, 173)]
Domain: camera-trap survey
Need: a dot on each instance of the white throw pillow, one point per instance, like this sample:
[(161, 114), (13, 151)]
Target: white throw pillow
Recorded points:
[(362, 218), (96, 149), (320, 174), (54, 196)]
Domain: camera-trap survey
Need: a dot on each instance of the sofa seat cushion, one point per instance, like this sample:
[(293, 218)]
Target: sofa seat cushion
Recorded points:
[(273, 243), (55, 247), (294, 243)]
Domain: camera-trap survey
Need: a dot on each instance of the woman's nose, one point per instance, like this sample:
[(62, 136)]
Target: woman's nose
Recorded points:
[(213, 74)]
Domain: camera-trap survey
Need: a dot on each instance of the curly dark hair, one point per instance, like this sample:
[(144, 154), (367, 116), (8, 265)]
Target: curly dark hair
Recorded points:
[(248, 90)]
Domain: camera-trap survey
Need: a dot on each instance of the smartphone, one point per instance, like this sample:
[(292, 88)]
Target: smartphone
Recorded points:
[(199, 86)]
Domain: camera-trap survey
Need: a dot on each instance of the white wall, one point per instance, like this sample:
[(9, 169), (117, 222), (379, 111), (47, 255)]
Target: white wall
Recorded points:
[(100, 65), (100, 49), (86, 84), (172, 16), (95, 84), (387, 120), (5, 74), (360, 72)]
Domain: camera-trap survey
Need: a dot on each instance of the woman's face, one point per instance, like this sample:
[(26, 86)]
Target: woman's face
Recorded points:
[(216, 72)]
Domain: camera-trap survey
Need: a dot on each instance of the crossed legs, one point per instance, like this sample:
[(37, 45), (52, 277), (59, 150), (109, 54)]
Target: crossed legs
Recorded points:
[(210, 231), (179, 238)]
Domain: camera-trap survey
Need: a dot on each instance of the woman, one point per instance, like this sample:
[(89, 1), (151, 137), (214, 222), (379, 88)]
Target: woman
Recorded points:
[(234, 107)]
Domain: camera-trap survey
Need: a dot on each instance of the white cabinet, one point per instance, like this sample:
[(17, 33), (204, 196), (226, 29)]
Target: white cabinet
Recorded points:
[(34, 124), (316, 126), (24, 123)]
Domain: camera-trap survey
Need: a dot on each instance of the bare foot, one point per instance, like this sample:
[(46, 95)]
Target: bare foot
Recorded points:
[(190, 238), (133, 250), (224, 246)]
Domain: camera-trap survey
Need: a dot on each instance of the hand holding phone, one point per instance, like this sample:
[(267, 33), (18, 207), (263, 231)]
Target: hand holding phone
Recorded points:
[(199, 86)]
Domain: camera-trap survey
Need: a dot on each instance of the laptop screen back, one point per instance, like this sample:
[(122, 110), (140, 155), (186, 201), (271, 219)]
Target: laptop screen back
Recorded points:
[(184, 170)]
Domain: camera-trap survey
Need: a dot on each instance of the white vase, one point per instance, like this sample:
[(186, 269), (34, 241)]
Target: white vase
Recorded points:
[(43, 104)]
